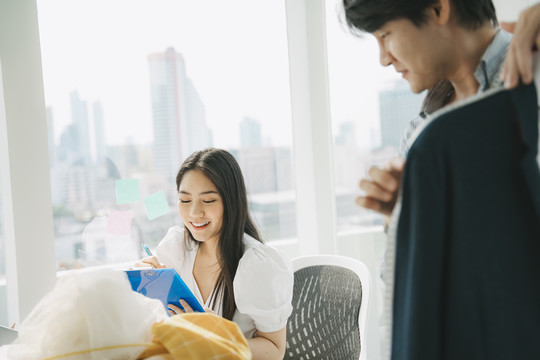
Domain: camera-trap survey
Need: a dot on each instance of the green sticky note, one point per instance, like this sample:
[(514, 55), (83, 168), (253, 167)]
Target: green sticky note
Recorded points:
[(156, 205), (127, 191)]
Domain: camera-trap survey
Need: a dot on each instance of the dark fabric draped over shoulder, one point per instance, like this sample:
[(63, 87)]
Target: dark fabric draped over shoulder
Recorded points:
[(468, 239)]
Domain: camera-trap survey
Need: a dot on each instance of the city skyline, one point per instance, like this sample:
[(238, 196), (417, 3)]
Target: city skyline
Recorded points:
[(83, 180), (107, 63), (239, 73), (237, 83)]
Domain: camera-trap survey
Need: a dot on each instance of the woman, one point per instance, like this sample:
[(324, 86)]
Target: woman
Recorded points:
[(220, 255)]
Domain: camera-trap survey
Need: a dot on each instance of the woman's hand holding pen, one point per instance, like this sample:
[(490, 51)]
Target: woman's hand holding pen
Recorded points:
[(152, 261), (149, 260)]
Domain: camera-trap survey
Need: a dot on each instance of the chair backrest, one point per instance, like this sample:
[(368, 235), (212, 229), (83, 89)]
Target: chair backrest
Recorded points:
[(330, 306)]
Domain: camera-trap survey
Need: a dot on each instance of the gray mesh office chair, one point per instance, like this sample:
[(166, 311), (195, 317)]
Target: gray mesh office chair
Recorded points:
[(330, 303)]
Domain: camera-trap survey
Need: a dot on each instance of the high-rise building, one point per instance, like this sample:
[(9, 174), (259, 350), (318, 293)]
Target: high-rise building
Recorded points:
[(80, 180), (50, 136), (398, 106), (131, 158), (179, 116), (284, 169), (250, 133), (270, 185), (79, 117), (265, 169), (99, 131), (345, 166), (197, 135), (56, 158), (274, 214), (346, 135)]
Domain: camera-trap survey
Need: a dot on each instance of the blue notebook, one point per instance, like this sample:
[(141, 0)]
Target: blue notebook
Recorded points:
[(163, 284)]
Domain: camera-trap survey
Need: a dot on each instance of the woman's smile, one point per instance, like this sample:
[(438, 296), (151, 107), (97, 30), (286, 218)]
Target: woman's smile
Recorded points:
[(200, 225)]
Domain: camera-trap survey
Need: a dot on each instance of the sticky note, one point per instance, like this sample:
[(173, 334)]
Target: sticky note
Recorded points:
[(156, 205), (127, 191), (119, 222)]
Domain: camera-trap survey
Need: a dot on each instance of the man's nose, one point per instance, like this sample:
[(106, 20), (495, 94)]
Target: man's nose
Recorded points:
[(385, 57)]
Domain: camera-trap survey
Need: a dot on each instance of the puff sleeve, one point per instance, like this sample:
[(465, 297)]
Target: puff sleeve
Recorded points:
[(263, 287), (170, 251)]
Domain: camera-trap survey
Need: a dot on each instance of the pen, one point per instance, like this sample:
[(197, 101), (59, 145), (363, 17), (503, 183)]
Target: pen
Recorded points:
[(146, 249)]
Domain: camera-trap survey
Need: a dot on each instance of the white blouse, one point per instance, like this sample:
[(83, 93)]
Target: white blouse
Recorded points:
[(263, 284)]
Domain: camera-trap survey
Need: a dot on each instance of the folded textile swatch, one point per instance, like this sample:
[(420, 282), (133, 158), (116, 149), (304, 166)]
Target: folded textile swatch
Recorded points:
[(198, 336)]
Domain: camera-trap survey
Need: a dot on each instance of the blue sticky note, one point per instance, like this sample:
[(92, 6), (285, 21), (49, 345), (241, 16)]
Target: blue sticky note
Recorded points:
[(127, 191), (156, 205)]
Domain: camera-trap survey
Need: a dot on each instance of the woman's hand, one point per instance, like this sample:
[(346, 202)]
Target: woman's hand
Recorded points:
[(175, 310), (152, 261)]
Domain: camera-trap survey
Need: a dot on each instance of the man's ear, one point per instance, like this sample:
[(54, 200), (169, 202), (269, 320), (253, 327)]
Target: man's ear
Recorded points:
[(441, 11)]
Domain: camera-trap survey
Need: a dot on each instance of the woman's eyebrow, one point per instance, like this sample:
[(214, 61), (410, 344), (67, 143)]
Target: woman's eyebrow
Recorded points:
[(203, 193)]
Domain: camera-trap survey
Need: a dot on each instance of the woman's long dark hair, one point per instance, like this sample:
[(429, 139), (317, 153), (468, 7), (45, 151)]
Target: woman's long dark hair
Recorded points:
[(437, 97), (223, 170)]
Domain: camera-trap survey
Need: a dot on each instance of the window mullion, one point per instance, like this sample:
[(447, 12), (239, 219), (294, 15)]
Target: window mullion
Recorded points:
[(312, 136), (24, 162)]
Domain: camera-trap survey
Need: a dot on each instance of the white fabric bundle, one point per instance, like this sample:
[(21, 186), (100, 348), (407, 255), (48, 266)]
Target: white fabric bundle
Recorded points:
[(88, 310)]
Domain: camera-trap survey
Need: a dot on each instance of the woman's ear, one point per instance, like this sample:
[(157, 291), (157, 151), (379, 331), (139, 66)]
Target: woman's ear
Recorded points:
[(441, 11)]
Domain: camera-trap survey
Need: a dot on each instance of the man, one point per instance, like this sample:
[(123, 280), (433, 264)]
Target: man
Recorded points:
[(428, 42), (452, 48), (382, 185)]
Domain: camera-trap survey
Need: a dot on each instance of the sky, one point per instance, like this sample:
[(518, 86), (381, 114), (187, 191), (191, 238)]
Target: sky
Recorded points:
[(235, 54)]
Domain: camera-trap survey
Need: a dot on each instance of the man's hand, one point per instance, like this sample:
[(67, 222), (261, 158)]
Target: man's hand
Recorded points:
[(382, 187), (519, 63)]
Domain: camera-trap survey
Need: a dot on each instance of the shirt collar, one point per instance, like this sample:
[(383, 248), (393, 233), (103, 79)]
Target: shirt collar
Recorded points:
[(488, 71)]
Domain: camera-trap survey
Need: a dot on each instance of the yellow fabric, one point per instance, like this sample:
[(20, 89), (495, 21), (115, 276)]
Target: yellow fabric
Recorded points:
[(104, 348), (198, 336)]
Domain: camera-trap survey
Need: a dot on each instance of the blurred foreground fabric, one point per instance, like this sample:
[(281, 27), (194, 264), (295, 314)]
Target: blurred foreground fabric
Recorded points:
[(89, 314), (95, 315)]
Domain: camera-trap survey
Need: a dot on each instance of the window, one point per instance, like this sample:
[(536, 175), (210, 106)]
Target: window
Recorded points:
[(127, 104), (370, 108)]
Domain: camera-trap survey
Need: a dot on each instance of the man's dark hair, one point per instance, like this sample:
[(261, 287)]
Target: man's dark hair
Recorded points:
[(371, 15)]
